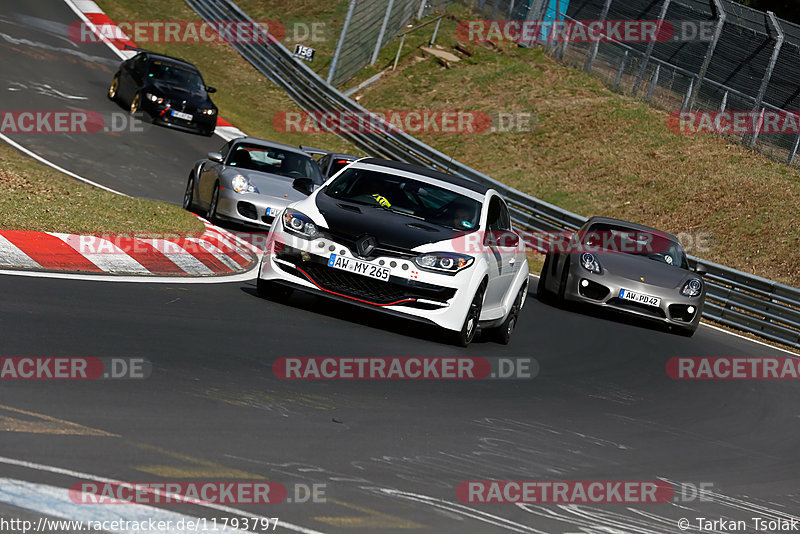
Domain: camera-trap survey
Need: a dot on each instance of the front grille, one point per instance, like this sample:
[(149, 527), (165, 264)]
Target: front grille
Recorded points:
[(267, 219), (247, 209), (354, 285), (638, 306), (362, 287)]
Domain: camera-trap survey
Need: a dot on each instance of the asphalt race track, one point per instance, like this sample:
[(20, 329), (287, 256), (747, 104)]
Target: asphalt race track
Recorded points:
[(390, 453)]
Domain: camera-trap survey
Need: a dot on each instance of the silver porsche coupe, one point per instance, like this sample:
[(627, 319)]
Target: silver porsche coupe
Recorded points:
[(249, 181)]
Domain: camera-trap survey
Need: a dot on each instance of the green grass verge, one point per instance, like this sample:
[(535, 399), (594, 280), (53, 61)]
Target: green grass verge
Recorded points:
[(593, 151), (36, 197)]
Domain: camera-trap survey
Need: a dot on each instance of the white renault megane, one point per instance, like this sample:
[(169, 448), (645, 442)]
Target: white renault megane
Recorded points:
[(405, 240)]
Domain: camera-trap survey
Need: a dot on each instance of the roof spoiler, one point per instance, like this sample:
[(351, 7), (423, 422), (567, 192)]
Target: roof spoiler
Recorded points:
[(312, 150)]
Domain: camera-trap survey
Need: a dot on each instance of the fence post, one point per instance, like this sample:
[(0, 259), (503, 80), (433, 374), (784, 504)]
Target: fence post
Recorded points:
[(650, 46), (562, 50), (587, 67), (776, 25), (793, 153), (685, 106), (494, 9), (421, 9), (724, 103), (382, 32), (621, 70), (721, 16), (435, 31), (342, 35), (399, 49), (754, 138), (534, 9), (510, 9), (654, 82), (555, 23)]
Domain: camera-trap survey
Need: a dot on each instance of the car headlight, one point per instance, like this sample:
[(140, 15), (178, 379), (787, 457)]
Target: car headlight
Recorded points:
[(589, 262), (692, 288), (241, 185), (209, 111), (449, 262), (154, 98), (299, 224)]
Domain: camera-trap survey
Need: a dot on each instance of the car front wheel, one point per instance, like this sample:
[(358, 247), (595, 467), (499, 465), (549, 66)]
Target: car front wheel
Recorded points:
[(136, 103), (188, 195), (272, 291), (502, 334), (541, 288), (464, 337), (114, 89), (212, 208)]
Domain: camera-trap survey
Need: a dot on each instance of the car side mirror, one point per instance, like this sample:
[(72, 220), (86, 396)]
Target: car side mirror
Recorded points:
[(215, 156), (701, 269), (210, 89), (501, 238), (304, 185)]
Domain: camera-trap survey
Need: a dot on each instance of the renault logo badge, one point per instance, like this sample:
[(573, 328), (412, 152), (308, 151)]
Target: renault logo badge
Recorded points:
[(366, 245)]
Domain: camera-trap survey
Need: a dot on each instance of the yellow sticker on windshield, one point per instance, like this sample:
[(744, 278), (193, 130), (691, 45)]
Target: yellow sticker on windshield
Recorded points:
[(382, 201)]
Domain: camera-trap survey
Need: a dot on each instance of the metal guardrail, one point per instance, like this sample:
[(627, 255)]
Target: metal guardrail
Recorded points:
[(734, 298)]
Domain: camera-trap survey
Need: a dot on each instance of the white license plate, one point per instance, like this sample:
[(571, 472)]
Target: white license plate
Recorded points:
[(272, 212), (359, 267), (182, 115), (627, 294)]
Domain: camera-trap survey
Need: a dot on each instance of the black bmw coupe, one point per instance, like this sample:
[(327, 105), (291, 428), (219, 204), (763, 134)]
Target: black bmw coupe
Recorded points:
[(169, 91)]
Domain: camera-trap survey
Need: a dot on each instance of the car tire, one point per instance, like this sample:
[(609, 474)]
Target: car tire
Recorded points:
[(211, 215), (113, 89), (464, 337), (562, 284), (541, 288), (272, 291), (188, 195), (136, 103), (502, 333)]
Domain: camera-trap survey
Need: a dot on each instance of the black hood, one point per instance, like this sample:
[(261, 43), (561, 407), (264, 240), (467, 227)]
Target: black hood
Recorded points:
[(177, 94), (349, 221)]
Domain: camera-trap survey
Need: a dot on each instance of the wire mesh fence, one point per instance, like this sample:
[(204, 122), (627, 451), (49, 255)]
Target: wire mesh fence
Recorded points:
[(368, 26), (709, 56)]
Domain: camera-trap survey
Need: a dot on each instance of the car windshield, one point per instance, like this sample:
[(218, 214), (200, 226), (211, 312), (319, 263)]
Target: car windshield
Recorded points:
[(617, 238), (176, 75), (407, 196), (274, 161)]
